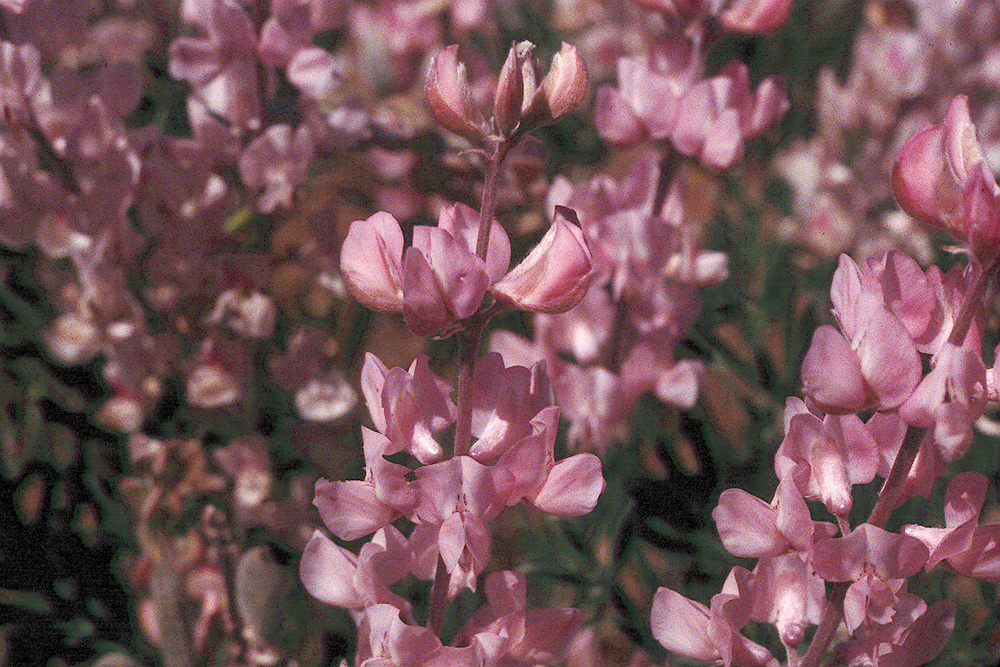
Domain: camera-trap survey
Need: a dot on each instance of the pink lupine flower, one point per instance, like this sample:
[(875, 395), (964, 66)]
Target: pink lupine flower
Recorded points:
[(915, 635), (436, 281), (962, 505), (826, 457), (711, 634), (336, 576), (521, 102), (751, 528), (949, 399), (888, 429), (785, 592), (409, 407), (504, 403), (354, 508), (940, 177), (385, 640), (462, 222), (559, 93), (450, 98), (277, 161), (968, 547), (556, 273), (877, 561), (371, 261), (535, 637), (456, 498), (878, 361)]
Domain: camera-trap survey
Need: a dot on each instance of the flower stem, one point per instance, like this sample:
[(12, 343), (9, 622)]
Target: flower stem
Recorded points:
[(493, 163), (468, 350)]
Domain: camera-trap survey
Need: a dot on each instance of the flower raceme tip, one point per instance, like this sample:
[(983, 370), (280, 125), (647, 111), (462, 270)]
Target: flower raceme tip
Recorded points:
[(521, 101)]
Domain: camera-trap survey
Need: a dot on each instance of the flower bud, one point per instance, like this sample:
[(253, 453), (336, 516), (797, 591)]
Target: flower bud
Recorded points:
[(556, 273), (449, 97), (561, 91), (509, 96)]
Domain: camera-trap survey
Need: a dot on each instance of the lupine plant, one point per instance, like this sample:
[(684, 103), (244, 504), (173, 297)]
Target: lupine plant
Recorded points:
[(505, 426), (344, 332)]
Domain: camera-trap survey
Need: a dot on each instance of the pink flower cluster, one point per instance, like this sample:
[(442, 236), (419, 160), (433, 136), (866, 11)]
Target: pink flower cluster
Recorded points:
[(439, 281), (450, 500), (450, 281), (895, 319)]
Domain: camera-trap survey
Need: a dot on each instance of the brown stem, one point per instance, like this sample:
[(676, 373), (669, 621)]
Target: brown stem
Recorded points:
[(828, 625)]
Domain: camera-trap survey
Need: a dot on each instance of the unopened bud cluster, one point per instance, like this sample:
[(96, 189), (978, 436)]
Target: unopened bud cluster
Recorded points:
[(523, 99)]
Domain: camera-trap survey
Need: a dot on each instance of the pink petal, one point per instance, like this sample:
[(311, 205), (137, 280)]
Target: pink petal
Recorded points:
[(572, 486), (327, 572), (681, 626), (351, 509), (371, 262), (747, 525)]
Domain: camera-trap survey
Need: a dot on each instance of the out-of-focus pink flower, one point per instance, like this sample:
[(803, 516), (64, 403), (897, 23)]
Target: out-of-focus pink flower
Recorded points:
[(716, 116), (645, 101), (757, 17), (222, 65), (555, 274), (277, 161)]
